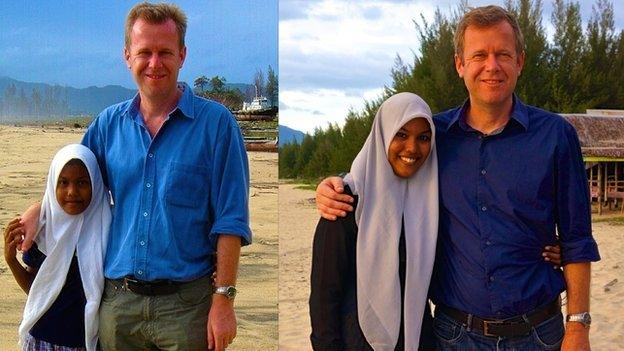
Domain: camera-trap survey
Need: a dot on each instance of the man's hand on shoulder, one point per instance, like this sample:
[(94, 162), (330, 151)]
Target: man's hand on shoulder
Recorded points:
[(29, 222), (576, 337), (330, 200), (221, 323)]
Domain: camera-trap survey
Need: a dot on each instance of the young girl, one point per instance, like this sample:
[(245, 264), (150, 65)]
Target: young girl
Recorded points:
[(371, 269), (64, 273)]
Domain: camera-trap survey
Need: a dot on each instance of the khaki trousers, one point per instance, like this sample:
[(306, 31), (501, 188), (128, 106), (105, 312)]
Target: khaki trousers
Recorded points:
[(129, 321)]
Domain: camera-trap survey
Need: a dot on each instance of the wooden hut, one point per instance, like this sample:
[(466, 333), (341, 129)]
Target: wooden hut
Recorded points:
[(602, 143)]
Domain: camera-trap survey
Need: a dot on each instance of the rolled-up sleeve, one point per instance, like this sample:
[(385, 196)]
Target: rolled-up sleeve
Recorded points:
[(573, 201), (230, 186)]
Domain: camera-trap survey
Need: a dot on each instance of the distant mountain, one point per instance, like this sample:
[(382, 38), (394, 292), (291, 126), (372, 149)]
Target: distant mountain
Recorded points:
[(289, 135), (56, 100), (67, 100)]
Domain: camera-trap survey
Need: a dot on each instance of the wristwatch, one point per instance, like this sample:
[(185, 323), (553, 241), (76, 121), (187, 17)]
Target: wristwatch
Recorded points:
[(227, 291), (583, 318)]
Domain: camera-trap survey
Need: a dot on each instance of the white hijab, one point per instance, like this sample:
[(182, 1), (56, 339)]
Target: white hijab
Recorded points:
[(384, 199), (62, 235)]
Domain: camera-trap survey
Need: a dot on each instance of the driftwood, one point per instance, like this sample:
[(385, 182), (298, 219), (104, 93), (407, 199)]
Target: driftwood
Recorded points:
[(261, 145), (253, 117)]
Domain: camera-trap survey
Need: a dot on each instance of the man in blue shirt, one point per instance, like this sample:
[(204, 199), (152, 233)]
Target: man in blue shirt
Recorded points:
[(512, 181), (177, 170)]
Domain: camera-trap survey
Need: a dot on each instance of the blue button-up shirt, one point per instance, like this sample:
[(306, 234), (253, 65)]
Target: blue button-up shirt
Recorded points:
[(504, 197), (173, 194)]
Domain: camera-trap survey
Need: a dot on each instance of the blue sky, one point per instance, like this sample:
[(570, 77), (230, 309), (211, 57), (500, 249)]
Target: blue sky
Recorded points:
[(334, 54), (79, 43)]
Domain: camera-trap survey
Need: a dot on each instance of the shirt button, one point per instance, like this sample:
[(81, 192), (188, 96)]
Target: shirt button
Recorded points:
[(142, 243), (140, 272), (491, 278), (488, 243), (483, 208), (483, 171), (150, 155), (144, 214), (149, 185)]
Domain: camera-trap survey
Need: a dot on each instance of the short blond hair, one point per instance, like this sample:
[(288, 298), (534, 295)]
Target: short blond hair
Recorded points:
[(484, 17), (156, 14)]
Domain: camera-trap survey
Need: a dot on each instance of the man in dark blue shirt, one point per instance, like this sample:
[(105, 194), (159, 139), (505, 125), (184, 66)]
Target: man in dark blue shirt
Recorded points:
[(512, 181)]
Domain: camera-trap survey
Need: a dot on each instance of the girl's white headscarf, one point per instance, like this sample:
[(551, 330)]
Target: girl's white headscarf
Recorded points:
[(63, 234), (384, 199)]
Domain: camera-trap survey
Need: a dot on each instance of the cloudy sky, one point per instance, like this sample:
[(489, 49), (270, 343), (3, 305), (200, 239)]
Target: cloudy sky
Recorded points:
[(334, 55), (79, 43)]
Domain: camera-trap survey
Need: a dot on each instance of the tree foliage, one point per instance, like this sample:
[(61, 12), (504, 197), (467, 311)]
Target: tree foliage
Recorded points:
[(577, 69), (200, 83), (231, 98), (272, 86)]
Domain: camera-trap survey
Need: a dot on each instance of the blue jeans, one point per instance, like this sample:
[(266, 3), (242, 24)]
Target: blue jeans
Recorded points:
[(454, 336)]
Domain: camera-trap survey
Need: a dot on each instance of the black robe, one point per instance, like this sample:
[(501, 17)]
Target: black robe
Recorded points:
[(333, 300)]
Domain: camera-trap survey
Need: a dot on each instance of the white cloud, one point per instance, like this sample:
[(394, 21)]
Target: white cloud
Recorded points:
[(306, 110), (335, 54)]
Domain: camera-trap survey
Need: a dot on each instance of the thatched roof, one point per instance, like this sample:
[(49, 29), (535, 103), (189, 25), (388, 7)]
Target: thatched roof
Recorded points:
[(600, 136)]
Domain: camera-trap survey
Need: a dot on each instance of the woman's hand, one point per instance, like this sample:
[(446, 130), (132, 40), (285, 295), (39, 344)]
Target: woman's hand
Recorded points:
[(552, 254), (13, 236)]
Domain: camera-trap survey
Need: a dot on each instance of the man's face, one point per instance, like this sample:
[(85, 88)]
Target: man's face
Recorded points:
[(490, 65), (154, 56)]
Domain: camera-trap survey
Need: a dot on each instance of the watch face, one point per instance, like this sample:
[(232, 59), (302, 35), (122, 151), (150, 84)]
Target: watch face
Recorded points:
[(231, 292)]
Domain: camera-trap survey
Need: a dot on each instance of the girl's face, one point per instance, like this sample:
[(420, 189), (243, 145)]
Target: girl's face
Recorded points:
[(73, 190), (410, 147)]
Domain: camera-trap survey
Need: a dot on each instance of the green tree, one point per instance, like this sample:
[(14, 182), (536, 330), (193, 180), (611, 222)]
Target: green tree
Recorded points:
[(432, 74), (566, 52), (200, 83), (532, 86), (218, 84), (272, 87), (597, 60)]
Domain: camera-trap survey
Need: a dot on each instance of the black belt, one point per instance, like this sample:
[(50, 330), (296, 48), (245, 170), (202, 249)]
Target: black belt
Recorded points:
[(149, 288), (514, 326)]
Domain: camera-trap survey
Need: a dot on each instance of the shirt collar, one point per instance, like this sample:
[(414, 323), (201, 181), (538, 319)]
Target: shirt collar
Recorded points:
[(518, 113), (185, 104)]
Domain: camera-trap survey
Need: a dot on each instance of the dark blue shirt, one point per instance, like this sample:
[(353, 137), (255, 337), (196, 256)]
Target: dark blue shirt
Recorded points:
[(504, 197), (175, 193), (63, 323)]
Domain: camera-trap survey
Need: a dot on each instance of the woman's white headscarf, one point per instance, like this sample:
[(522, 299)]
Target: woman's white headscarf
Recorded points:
[(384, 199), (63, 234)]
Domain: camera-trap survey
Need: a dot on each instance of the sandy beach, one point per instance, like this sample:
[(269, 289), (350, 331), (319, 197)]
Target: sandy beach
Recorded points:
[(25, 155), (298, 218)]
